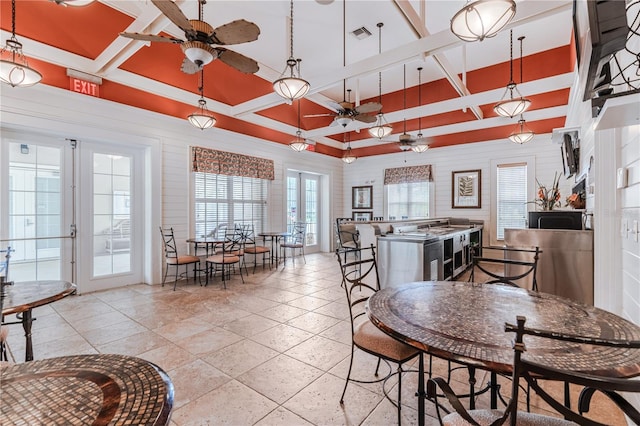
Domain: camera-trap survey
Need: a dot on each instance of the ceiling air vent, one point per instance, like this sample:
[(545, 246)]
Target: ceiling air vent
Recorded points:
[(361, 33)]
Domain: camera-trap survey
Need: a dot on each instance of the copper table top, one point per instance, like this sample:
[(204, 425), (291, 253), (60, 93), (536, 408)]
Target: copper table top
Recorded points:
[(24, 295), (85, 389), (464, 322)]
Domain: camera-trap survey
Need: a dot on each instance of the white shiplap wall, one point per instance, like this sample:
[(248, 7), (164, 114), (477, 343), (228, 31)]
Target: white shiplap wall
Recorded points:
[(370, 171)]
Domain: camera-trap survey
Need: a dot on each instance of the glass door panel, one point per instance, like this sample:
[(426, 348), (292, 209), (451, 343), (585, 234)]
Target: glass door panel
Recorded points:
[(303, 198)]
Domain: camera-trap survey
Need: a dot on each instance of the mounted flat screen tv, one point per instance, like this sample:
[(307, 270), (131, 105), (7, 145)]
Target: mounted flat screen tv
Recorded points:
[(570, 155)]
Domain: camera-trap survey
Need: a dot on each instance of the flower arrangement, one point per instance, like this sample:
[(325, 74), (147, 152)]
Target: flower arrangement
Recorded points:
[(548, 198), (576, 200)]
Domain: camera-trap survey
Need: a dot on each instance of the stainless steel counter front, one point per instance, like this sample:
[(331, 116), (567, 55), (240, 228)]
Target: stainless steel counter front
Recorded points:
[(565, 267)]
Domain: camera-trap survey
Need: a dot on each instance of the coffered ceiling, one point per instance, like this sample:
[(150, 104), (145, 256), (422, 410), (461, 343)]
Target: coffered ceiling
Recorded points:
[(460, 81)]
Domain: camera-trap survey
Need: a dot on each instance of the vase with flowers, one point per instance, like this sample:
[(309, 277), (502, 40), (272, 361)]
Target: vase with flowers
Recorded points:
[(548, 198), (576, 200)]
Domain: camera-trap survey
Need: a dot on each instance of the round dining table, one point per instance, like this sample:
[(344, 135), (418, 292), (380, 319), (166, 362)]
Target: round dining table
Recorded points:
[(101, 389), (22, 296), (465, 322)]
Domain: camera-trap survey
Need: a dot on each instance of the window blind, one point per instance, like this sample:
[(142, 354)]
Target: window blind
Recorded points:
[(408, 200), (222, 199), (511, 197)]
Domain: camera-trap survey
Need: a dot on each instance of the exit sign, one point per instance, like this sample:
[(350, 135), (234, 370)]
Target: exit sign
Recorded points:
[(84, 87)]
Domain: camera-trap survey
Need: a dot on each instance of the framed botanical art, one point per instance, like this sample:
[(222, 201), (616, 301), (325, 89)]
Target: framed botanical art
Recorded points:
[(362, 215), (361, 197), (466, 189)]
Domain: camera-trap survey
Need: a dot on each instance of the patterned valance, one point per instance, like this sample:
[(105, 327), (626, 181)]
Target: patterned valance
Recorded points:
[(408, 174), (231, 164)]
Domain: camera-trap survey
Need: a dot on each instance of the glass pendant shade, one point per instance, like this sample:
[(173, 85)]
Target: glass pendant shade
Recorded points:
[(420, 145), (77, 3), (299, 144), (14, 68), (292, 87), (202, 118), (512, 106), (348, 157), (482, 19), (198, 52), (522, 134), (381, 128)]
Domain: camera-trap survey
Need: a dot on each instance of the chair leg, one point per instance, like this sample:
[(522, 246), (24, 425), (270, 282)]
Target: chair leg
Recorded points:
[(399, 394), (166, 271), (175, 281), (346, 382)]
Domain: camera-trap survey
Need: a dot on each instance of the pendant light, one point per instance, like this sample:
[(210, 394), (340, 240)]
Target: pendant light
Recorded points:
[(15, 70), (299, 144), (202, 118), (420, 144), (512, 107), (291, 87), (522, 134), (381, 128), (75, 3), (482, 19), (348, 157)]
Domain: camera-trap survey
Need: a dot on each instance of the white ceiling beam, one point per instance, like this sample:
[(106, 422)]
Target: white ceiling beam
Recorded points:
[(417, 23)]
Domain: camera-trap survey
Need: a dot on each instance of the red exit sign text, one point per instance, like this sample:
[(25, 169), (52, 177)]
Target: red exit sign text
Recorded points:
[(84, 87)]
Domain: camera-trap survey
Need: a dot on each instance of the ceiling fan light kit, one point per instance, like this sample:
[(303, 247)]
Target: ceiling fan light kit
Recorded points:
[(198, 52), (482, 19), (420, 145), (511, 107), (75, 3), (293, 86), (14, 68)]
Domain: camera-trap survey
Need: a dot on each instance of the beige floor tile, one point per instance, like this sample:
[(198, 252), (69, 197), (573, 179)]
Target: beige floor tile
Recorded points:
[(308, 302), (240, 357), (184, 328), (134, 345), (168, 357), (313, 322), (281, 416), (281, 337), (250, 325), (230, 404), (110, 333), (282, 313), (280, 378), (195, 379), (320, 352), (208, 341)]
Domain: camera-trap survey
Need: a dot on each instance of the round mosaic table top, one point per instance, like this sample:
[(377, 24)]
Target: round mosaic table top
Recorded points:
[(85, 389), (465, 322), (24, 295)]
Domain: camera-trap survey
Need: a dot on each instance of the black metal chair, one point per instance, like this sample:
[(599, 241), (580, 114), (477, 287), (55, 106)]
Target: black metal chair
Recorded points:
[(294, 242), (226, 259), (534, 374), (515, 269), (251, 247), (4, 281), (348, 235), (360, 280), (172, 258)]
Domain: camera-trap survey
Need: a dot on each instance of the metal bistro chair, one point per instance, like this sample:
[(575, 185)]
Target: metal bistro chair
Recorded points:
[(224, 260), (172, 258), (360, 281), (251, 247), (348, 235), (4, 281), (514, 269), (295, 241), (535, 375)]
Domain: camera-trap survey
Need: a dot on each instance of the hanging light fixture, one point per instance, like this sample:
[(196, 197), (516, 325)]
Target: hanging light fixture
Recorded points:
[(522, 134), (512, 106), (202, 118), (299, 144), (420, 144), (291, 87), (76, 3), (15, 70), (348, 157), (482, 19), (381, 128)]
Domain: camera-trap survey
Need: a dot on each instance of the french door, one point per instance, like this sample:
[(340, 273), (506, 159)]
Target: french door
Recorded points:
[(303, 205), (71, 211)]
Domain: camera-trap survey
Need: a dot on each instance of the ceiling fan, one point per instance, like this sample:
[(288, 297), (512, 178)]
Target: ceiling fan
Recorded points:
[(347, 112), (405, 140), (201, 37)]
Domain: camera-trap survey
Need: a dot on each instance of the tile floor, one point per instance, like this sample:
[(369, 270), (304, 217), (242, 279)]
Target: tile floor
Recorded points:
[(272, 351)]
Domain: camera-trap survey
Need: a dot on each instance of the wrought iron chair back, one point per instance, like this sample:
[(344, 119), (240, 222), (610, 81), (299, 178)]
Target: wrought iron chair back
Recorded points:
[(515, 270), (172, 258)]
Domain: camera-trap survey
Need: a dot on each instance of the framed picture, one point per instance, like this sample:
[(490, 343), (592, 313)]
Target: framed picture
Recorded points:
[(466, 189), (362, 215), (361, 197)]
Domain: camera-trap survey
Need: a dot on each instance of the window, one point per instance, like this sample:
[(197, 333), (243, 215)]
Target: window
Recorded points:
[(408, 200), (222, 199), (511, 197)]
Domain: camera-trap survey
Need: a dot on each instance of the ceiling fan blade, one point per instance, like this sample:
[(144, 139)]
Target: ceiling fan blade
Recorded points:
[(366, 118), (235, 32), (334, 106), (152, 37), (369, 107), (175, 15), (189, 67), (318, 115), (238, 61)]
